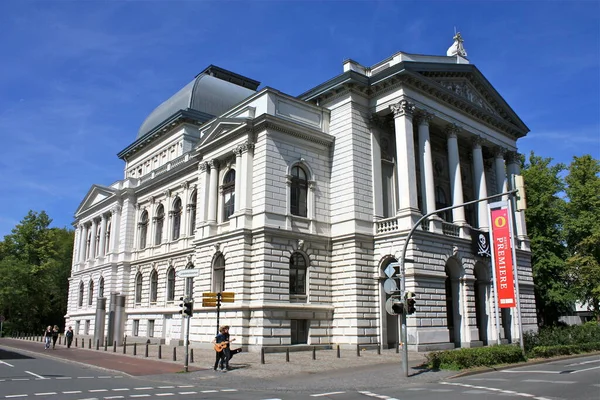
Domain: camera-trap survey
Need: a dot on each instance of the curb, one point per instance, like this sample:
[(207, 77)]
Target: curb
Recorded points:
[(536, 361)]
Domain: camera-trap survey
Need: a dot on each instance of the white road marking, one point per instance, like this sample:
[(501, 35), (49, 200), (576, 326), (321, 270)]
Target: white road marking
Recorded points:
[(379, 396), (5, 363), (583, 370), (188, 393), (85, 377), (114, 397), (545, 381), (36, 375), (165, 394), (45, 394), (209, 391), (120, 389), (72, 392), (512, 371), (104, 377), (64, 377), (12, 396), (494, 390), (583, 362), (185, 386), (143, 388), (166, 387), (228, 390), (97, 390), (140, 395), (326, 394)]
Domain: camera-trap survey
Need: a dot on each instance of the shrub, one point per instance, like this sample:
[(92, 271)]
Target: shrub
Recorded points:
[(565, 336), (474, 357), (562, 350)]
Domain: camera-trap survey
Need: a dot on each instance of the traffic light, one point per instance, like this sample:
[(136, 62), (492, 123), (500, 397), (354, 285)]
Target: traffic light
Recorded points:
[(519, 185), (410, 303), (397, 305), (187, 307)]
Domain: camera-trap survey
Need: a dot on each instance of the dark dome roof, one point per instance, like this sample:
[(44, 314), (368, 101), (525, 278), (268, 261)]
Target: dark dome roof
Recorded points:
[(213, 92)]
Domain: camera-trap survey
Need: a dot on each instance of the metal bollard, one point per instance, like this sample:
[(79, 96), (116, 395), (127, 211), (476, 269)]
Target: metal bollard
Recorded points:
[(105, 344), (97, 344), (314, 355), (357, 350), (115, 346), (287, 355), (135, 349), (262, 355), (60, 340), (397, 347), (378, 348), (146, 353), (191, 355), (174, 353), (338, 351), (124, 347), (159, 351), (75, 342), (89, 343)]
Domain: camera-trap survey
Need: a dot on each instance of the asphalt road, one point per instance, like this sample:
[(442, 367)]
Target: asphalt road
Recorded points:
[(27, 375)]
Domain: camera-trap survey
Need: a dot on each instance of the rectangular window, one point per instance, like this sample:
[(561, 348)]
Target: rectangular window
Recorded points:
[(299, 331), (87, 327), (150, 328), (77, 324), (136, 327)]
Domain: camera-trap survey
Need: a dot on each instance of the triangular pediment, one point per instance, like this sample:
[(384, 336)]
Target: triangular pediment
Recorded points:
[(465, 89), (96, 195), (220, 127)]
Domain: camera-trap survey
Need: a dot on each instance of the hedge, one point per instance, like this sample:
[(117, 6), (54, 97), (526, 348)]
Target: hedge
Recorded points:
[(567, 335), (475, 357), (563, 350)]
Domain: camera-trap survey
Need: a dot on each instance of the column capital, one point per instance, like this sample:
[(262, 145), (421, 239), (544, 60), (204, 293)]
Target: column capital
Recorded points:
[(499, 152), (203, 166), (512, 157), (117, 208), (477, 141), (452, 130), (213, 164), (403, 108), (423, 117)]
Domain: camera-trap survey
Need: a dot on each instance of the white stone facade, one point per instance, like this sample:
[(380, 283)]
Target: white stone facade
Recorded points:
[(298, 204)]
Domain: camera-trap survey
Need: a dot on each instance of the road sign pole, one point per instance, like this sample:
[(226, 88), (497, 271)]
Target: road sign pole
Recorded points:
[(218, 309), (187, 344)]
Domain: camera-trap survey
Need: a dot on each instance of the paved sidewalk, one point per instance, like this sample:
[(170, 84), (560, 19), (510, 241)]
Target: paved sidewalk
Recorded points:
[(244, 364)]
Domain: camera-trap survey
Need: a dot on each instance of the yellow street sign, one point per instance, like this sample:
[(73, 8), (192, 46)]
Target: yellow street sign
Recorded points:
[(228, 297), (209, 303), (209, 295)]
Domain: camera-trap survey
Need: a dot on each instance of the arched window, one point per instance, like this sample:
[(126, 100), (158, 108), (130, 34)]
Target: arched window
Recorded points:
[(228, 189), (171, 284), (107, 243), (299, 192), (192, 208), (143, 229), (153, 286), (80, 299), (91, 293), (189, 283), (160, 221), (101, 287), (138, 288), (176, 213), (218, 283), (297, 274)]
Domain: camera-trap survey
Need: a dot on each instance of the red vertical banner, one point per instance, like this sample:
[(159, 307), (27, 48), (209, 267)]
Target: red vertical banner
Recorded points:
[(503, 262)]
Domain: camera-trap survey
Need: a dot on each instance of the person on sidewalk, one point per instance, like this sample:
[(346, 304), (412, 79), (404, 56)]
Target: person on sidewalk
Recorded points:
[(222, 349), (69, 337), (47, 337), (55, 332)]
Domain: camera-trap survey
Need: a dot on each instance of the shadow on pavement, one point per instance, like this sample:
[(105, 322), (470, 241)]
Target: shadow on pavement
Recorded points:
[(10, 355)]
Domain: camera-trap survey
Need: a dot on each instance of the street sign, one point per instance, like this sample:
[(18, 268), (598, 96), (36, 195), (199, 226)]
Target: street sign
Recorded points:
[(209, 302), (392, 269), (388, 306), (390, 286), (188, 273), (227, 297), (209, 294)]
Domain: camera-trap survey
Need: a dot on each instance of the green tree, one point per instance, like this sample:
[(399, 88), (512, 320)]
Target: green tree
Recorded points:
[(34, 269), (544, 214), (582, 229)]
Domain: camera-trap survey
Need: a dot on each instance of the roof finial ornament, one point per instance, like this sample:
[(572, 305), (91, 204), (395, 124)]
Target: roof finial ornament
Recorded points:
[(457, 47)]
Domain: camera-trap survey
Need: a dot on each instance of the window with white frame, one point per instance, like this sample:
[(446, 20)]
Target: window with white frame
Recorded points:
[(153, 286), (159, 221), (228, 190), (150, 328), (101, 287), (297, 274), (171, 284), (299, 191), (80, 298), (176, 214), (136, 327), (91, 293), (143, 229), (138, 288), (218, 283)]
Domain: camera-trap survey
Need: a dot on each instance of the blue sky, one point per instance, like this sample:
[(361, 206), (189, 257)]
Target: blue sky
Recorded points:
[(77, 79)]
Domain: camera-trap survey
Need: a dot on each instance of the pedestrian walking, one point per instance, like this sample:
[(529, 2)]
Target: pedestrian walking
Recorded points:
[(69, 337), (55, 333), (47, 337), (222, 349)]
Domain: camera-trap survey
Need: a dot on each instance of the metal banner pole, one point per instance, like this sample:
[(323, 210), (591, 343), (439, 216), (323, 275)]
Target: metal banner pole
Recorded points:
[(496, 205), (516, 276)]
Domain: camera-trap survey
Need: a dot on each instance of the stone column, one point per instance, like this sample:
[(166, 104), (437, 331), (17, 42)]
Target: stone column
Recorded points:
[(426, 163), (514, 168), (185, 210), (246, 179), (238, 179), (81, 243), (480, 184), (86, 232), (405, 157), (213, 192), (93, 239), (203, 191), (114, 227), (102, 235), (458, 214), (375, 123), (500, 170)]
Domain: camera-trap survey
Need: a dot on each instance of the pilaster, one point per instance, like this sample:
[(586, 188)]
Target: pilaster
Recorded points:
[(458, 214)]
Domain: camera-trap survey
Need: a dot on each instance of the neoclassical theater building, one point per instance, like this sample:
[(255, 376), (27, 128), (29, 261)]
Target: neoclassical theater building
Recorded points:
[(297, 204)]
